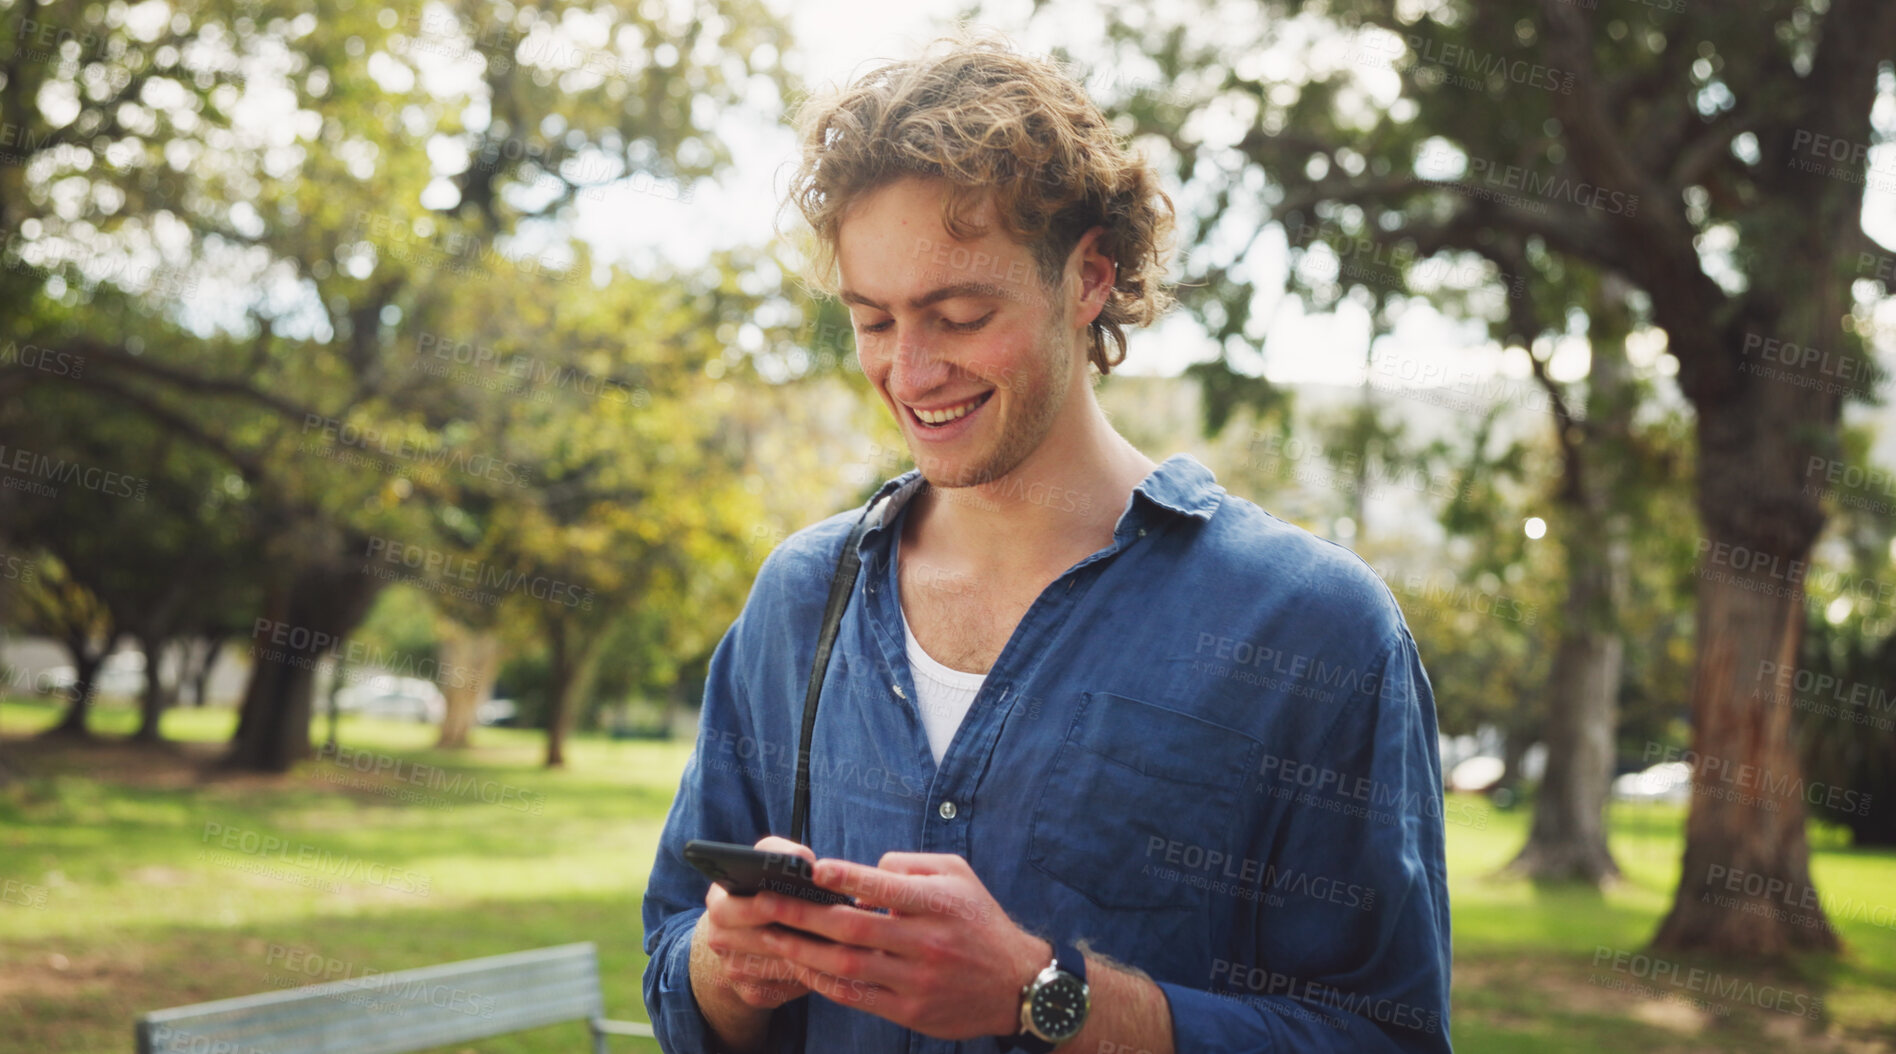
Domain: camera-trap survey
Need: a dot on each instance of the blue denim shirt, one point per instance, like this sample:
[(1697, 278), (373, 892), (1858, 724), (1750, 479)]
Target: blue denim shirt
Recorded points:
[(1208, 750)]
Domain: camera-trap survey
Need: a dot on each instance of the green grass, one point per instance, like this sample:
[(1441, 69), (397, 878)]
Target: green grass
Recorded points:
[(1525, 953), (143, 909), (122, 899)]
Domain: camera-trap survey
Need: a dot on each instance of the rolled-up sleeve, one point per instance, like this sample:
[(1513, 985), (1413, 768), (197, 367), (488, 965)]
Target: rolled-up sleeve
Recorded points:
[(1330, 976)]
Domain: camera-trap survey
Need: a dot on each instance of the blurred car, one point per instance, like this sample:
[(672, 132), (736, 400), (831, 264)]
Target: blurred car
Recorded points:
[(122, 676), (397, 698), (1669, 781), (497, 712), (1477, 774), (56, 680)]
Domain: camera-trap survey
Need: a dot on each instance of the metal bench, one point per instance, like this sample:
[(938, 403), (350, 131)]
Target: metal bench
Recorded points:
[(394, 1013)]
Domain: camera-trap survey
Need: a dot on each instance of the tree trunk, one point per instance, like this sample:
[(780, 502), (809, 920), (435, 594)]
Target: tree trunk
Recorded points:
[(560, 689), (1567, 840), (307, 617), (572, 649), (470, 662), (1757, 434), (1747, 811), (86, 661), (158, 696), (332, 703), (201, 657), (73, 723)]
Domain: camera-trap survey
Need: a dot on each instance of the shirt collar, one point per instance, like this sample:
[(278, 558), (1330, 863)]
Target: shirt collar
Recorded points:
[(1180, 486), (1183, 486)]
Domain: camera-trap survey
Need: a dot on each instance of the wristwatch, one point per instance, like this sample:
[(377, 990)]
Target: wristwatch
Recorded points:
[(1053, 1004)]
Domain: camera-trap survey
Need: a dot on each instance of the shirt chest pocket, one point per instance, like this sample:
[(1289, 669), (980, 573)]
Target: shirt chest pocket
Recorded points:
[(1142, 804)]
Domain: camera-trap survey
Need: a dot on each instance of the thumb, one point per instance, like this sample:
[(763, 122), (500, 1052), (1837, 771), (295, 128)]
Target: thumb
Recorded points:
[(770, 843)]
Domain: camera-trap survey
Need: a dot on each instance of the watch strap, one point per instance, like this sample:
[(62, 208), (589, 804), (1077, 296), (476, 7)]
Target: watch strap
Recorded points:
[(1030, 1043), (1067, 954)]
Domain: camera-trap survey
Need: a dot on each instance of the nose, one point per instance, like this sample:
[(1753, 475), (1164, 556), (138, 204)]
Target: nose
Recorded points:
[(917, 368)]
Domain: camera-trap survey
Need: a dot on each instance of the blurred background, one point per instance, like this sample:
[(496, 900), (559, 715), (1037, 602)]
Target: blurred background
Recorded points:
[(396, 403)]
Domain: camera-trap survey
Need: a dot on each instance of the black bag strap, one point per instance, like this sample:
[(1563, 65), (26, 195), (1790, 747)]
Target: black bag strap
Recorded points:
[(842, 583)]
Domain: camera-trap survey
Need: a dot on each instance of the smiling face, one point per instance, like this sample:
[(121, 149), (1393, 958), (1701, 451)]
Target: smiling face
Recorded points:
[(979, 362)]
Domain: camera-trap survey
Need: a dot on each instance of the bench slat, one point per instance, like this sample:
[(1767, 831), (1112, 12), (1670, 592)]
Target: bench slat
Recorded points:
[(390, 1013)]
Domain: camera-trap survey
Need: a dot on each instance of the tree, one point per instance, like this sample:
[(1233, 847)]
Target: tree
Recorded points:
[(1713, 156), (370, 188), (60, 606), (1567, 838), (138, 539), (179, 563)]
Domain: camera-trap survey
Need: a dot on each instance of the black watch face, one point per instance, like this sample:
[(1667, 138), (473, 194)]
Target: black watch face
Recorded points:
[(1059, 1007)]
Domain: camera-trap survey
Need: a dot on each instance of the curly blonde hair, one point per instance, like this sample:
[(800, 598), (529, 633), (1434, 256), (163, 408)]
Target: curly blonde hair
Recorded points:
[(990, 121)]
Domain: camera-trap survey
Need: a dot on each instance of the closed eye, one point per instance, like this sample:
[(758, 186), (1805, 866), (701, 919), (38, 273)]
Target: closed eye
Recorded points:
[(967, 327)]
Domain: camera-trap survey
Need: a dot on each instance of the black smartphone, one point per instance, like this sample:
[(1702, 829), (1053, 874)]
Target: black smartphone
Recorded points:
[(743, 870)]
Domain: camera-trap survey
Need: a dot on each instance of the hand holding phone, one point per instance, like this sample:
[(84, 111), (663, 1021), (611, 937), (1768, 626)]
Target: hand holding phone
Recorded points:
[(729, 958), (744, 871)]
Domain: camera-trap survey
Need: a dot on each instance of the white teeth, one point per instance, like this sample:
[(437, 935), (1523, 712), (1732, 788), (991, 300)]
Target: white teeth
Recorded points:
[(939, 417)]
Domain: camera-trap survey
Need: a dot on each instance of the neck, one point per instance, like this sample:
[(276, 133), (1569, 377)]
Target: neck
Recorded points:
[(1062, 499)]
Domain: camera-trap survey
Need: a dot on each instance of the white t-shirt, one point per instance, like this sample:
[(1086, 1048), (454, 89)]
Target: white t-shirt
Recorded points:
[(945, 694)]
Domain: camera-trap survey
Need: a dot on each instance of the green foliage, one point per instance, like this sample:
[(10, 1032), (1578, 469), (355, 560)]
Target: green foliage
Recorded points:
[(1843, 689), (1844, 699), (402, 622), (358, 340)]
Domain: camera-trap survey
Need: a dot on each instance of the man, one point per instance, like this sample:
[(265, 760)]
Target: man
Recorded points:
[(1089, 720)]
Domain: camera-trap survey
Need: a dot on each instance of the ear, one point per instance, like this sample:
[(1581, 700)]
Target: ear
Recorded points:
[(1097, 272)]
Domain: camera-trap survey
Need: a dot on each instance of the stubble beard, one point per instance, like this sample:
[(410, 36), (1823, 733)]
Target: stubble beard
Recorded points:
[(1041, 398)]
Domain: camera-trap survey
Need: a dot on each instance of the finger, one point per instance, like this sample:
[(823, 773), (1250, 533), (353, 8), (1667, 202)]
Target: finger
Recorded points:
[(924, 864), (927, 893), (871, 886), (837, 989), (731, 913), (745, 947), (722, 905), (841, 923), (849, 962), (717, 909), (770, 843)]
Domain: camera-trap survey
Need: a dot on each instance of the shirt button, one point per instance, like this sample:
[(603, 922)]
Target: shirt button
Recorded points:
[(947, 810), (1142, 532)]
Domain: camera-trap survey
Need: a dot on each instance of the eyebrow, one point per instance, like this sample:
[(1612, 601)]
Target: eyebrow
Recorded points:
[(947, 292)]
